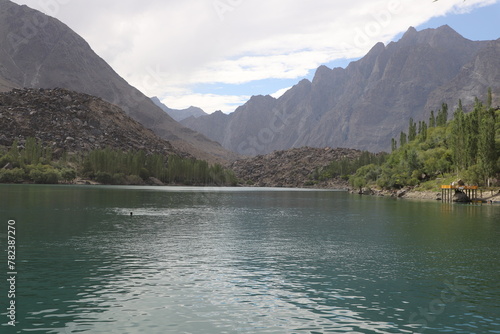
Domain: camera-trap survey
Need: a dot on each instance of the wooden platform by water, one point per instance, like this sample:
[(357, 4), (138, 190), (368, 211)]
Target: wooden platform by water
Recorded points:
[(448, 191)]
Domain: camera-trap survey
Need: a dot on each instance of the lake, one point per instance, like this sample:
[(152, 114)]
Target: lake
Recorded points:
[(246, 260)]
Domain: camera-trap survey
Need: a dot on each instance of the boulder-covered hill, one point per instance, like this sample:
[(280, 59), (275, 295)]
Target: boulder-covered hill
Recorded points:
[(38, 51), (369, 102), (292, 168), (73, 122)]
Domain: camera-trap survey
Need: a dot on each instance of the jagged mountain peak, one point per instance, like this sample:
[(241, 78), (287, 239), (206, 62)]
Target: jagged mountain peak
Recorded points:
[(219, 113), (257, 100), (411, 31), (321, 74), (377, 49), (370, 101), (181, 114), (302, 85), (434, 37)]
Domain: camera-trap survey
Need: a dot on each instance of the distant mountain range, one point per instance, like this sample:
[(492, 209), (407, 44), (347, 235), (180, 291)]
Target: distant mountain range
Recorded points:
[(177, 114), (38, 51), (366, 104), (361, 107)]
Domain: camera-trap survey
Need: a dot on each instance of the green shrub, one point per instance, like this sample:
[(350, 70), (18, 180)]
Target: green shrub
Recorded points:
[(42, 174), (104, 178), (15, 175), (134, 180), (144, 174), (412, 182), (68, 174), (119, 179), (357, 182), (4, 160), (472, 175)]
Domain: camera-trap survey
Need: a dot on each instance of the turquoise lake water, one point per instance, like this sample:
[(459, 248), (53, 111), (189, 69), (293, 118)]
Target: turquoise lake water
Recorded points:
[(240, 260)]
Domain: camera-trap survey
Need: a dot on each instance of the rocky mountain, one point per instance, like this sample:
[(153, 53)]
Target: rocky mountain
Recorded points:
[(37, 51), (245, 131), (213, 125), (78, 122), (473, 80), (369, 102), (179, 114), (292, 168)]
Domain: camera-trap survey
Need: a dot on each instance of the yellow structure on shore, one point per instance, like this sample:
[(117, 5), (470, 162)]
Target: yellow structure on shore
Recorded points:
[(448, 191)]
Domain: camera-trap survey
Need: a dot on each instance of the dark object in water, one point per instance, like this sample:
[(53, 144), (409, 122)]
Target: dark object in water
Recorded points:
[(131, 214)]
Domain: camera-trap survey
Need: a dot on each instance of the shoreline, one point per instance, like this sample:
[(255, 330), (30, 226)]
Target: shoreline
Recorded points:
[(403, 194), (411, 194), (428, 195), (487, 196)]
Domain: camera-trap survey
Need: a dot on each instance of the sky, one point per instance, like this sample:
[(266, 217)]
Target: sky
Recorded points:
[(216, 54)]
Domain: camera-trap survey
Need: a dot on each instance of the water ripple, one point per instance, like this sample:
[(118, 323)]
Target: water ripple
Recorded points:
[(237, 264)]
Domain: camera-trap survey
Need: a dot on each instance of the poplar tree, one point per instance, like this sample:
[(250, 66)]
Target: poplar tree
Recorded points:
[(422, 131), (442, 117), (412, 130), (486, 149), (432, 120), (402, 139), (33, 151), (14, 152), (458, 139), (394, 145)]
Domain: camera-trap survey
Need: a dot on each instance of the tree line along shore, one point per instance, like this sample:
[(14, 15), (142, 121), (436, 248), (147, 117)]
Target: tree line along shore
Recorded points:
[(32, 162), (431, 153)]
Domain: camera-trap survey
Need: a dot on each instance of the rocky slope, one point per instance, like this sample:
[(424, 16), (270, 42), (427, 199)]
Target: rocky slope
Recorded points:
[(6, 85), (37, 51), (291, 168), (473, 80), (73, 122), (366, 104)]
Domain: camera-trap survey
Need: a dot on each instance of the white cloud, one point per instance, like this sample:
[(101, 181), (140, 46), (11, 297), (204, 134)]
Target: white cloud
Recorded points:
[(164, 47), (280, 92), (210, 102)]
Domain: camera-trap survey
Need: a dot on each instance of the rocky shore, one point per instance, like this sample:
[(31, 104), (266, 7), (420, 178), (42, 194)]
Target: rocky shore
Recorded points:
[(428, 195)]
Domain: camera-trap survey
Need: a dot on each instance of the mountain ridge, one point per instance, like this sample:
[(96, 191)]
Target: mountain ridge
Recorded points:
[(179, 114), (38, 51), (367, 103)]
